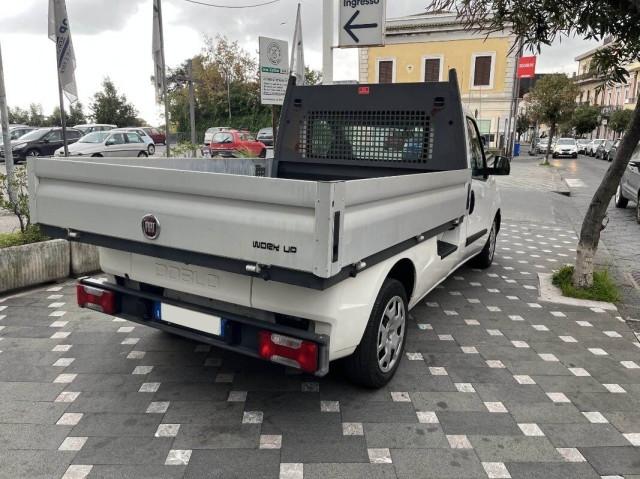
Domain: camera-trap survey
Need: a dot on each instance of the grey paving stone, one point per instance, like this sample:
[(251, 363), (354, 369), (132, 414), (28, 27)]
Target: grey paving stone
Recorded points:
[(480, 375), (204, 412), (537, 368), (110, 401), (192, 392), (628, 422), (404, 436), (583, 435), (436, 464), (34, 464), (415, 376), (234, 464), (568, 384), (613, 460), (547, 413), (605, 402), (478, 423), (545, 470), (322, 445), (108, 382), (447, 401), (124, 450), (32, 436), (30, 412), (511, 394), (16, 372), (115, 424), (212, 436), (29, 391), (514, 449), (137, 472), (195, 374), (349, 471), (395, 412)]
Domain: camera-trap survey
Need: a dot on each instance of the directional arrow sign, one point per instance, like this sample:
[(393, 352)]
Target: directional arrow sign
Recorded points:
[(361, 23)]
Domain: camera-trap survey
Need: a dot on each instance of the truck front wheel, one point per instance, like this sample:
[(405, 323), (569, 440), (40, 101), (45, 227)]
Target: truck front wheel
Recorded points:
[(378, 355)]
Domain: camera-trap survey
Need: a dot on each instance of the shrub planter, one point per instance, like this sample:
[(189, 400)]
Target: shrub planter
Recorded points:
[(31, 264), (37, 263)]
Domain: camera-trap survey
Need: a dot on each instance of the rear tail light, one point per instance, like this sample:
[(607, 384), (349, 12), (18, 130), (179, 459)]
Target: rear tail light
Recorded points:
[(96, 299), (289, 351)]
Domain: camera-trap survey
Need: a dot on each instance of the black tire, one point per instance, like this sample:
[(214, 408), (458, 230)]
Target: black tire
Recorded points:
[(554, 156), (32, 153), (485, 257), (263, 153), (575, 156), (363, 366), (142, 154), (97, 155), (151, 149), (620, 200)]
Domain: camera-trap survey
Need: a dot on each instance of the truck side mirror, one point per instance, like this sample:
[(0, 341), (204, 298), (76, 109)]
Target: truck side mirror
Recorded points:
[(501, 167)]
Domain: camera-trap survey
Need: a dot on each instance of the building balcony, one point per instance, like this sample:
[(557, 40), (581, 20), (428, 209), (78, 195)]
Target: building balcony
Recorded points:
[(586, 78)]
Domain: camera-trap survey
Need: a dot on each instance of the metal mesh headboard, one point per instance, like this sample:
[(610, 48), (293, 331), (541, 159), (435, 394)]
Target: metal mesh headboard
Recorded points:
[(363, 131)]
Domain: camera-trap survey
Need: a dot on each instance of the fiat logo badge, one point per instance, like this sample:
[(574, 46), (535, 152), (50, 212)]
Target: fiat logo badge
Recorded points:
[(150, 227)]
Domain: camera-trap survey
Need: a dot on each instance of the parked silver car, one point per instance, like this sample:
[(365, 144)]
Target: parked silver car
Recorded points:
[(151, 146), (107, 143), (629, 187)]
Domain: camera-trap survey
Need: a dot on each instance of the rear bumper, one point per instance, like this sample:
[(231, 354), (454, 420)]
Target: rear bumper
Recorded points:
[(239, 334)]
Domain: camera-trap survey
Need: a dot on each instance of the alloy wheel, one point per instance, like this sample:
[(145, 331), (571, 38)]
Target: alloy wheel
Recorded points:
[(391, 334)]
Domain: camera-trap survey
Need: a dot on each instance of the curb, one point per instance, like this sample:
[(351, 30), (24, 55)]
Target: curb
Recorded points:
[(552, 294)]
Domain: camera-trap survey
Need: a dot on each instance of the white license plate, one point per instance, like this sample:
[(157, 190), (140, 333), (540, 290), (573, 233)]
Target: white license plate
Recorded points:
[(206, 323)]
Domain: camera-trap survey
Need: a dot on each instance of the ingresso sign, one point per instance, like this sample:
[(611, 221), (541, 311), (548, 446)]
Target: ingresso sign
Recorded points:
[(274, 70), (362, 23)]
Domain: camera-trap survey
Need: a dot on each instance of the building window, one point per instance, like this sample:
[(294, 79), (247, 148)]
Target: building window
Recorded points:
[(432, 68), (386, 71), (482, 75)]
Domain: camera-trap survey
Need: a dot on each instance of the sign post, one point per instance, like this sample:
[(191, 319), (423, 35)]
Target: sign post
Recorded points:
[(362, 24), (274, 76)]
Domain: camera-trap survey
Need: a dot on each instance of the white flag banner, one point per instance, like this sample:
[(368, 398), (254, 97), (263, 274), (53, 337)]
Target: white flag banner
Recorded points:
[(158, 64), (297, 54), (60, 33)]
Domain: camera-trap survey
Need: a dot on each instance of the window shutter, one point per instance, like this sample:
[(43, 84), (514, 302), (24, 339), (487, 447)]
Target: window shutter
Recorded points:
[(482, 73), (432, 69), (385, 72)]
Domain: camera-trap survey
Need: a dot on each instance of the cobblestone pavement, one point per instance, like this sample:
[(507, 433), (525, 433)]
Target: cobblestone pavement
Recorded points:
[(494, 384)]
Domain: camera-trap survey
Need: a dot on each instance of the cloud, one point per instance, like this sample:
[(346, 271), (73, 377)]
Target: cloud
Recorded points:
[(87, 17)]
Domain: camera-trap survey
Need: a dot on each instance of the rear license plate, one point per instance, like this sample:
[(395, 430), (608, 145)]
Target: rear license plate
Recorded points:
[(206, 323)]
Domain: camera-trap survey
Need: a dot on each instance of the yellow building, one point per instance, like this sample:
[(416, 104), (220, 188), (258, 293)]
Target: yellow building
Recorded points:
[(424, 47)]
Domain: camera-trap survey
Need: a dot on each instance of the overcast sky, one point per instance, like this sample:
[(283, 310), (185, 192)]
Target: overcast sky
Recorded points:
[(113, 38)]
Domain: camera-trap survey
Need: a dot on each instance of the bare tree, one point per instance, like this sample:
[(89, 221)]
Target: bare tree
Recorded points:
[(541, 23)]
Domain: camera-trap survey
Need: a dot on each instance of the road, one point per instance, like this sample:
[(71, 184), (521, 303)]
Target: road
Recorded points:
[(495, 383)]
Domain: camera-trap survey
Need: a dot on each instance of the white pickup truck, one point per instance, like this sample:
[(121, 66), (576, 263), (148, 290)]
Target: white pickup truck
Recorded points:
[(376, 194)]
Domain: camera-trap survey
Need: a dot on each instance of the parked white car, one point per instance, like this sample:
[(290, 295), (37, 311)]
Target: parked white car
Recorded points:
[(151, 146), (91, 127), (565, 147), (107, 143)]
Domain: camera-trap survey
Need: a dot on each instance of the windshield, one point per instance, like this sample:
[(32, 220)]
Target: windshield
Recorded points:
[(566, 141), (34, 135), (95, 137), (222, 138)]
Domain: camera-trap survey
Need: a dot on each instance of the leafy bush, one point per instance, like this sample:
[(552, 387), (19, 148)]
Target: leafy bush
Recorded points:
[(18, 238), (603, 289), (18, 202)]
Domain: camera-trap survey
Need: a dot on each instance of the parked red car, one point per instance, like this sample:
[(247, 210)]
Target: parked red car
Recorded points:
[(156, 135), (233, 142)]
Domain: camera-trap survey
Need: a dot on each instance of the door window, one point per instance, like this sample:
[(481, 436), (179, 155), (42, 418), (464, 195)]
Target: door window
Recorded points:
[(54, 136), (385, 71), (133, 138), (475, 149), (116, 139)]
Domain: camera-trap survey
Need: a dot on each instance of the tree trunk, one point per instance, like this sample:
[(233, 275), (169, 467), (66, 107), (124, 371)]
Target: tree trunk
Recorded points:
[(552, 132), (593, 220)]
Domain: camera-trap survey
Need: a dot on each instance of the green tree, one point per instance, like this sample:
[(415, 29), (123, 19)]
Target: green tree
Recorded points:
[(112, 108), (222, 72), (312, 77), (18, 116), (540, 23), (553, 100), (585, 119), (620, 120), (522, 125), (36, 115), (76, 114)]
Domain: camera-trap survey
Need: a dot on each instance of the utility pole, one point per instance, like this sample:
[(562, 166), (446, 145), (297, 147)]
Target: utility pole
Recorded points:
[(63, 119), (327, 41), (514, 103), (192, 105), (4, 116)]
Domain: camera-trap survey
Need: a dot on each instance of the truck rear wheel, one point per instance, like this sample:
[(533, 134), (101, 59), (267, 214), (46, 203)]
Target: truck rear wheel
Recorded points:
[(378, 355), (485, 258)]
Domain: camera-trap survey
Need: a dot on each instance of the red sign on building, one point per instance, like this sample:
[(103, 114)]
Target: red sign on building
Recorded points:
[(527, 67)]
